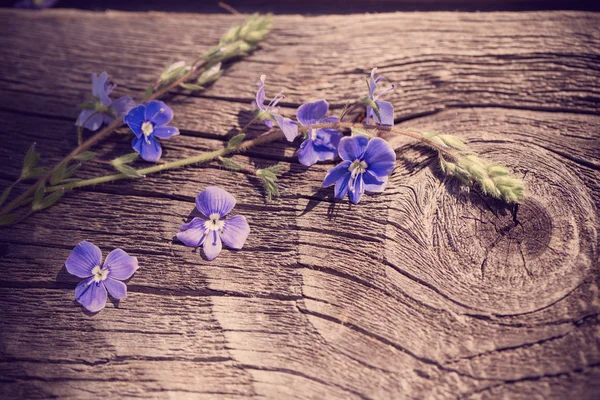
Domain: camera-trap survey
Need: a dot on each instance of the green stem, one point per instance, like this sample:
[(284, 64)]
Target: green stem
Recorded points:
[(269, 136)]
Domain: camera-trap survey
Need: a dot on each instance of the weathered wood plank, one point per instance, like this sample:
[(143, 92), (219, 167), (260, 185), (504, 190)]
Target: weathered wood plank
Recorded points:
[(424, 291)]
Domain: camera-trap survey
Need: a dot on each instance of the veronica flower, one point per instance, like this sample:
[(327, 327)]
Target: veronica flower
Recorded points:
[(320, 144), (85, 261), (148, 123), (365, 167), (100, 109), (214, 203), (386, 109), (270, 112)]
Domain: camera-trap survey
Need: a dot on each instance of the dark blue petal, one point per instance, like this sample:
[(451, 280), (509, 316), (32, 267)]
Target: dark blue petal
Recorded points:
[(336, 173), (235, 232), (307, 154), (165, 132), (91, 295), (341, 187), (212, 245), (122, 106), (158, 113), (380, 157), (287, 126), (120, 264), (374, 184), (135, 118), (215, 200), (82, 260), (311, 113), (149, 148), (117, 289), (386, 112), (356, 189), (352, 148)]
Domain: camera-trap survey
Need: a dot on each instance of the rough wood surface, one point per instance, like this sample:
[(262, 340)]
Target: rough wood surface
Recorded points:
[(425, 291)]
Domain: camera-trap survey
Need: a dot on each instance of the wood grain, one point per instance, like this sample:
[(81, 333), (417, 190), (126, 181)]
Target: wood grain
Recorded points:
[(425, 291)]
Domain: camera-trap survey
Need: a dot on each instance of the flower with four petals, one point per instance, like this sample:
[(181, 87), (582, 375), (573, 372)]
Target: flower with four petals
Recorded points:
[(320, 144)]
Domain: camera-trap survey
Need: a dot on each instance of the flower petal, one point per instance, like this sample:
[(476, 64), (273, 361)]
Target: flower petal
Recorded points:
[(260, 94), (215, 200), (307, 154), (341, 187), (99, 88), (380, 157), (165, 132), (91, 295), (356, 190), (117, 289), (352, 148), (92, 121), (212, 245), (311, 113), (192, 233), (235, 232), (120, 264), (122, 106), (336, 173), (158, 113), (386, 112), (287, 126), (135, 118), (84, 257), (149, 149), (374, 184)]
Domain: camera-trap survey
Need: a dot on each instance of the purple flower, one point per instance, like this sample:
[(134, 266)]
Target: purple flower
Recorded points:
[(85, 261), (36, 4), (366, 166), (386, 109), (214, 203), (270, 112), (148, 122), (101, 88), (320, 144)]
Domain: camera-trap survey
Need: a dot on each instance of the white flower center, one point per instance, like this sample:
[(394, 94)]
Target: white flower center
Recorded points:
[(99, 274), (357, 167), (147, 128), (214, 223)]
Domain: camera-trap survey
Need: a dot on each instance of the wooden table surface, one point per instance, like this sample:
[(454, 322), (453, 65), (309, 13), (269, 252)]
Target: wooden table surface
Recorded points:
[(426, 291)]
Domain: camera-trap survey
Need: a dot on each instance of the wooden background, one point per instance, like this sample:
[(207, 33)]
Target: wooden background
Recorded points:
[(425, 291)]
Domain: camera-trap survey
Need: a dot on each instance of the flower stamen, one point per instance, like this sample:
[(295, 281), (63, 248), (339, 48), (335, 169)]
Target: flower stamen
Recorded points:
[(147, 128), (99, 274), (214, 223)]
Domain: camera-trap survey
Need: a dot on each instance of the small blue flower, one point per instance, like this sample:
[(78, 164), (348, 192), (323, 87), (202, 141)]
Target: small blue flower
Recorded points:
[(215, 203), (386, 109), (101, 88), (148, 122), (270, 112), (366, 166), (321, 144), (35, 4), (85, 261)]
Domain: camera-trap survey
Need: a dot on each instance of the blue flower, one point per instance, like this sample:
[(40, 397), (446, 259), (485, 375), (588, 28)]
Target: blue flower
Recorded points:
[(148, 123), (321, 144), (101, 88), (270, 112), (214, 203), (366, 166), (85, 261), (386, 109)]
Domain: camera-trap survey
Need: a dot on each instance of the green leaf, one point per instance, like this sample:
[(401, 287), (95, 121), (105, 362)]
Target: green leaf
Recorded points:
[(235, 141), (31, 159), (5, 194), (48, 200), (129, 171), (210, 75), (58, 175), (8, 219), (38, 196), (453, 141), (85, 156), (229, 164), (126, 159), (191, 86), (275, 168), (36, 172), (149, 91)]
